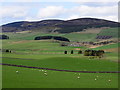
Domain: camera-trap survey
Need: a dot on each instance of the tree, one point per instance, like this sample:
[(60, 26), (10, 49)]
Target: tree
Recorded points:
[(65, 52), (71, 51), (4, 37)]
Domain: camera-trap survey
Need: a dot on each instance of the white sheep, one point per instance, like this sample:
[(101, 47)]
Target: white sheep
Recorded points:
[(45, 71), (45, 74), (17, 71), (95, 79), (78, 77)]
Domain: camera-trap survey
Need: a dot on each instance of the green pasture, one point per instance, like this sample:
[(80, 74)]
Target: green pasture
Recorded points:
[(26, 36), (71, 36), (109, 32), (49, 54), (116, 45), (36, 46), (33, 78), (81, 36), (66, 63)]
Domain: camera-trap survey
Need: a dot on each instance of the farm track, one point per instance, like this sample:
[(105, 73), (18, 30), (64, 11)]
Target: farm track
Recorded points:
[(59, 69), (18, 58), (38, 53), (22, 53)]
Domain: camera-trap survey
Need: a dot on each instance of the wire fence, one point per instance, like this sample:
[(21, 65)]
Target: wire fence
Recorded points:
[(59, 69)]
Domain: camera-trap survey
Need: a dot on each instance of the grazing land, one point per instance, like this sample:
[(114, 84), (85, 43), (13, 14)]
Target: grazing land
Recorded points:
[(50, 54)]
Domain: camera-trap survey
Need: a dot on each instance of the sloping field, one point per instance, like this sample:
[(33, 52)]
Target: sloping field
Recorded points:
[(81, 36), (66, 63), (30, 46), (109, 46), (71, 36), (89, 35), (109, 32)]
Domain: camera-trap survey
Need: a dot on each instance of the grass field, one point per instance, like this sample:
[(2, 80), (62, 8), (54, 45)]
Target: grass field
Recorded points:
[(71, 36), (66, 63), (49, 54), (109, 32), (34, 78), (109, 46)]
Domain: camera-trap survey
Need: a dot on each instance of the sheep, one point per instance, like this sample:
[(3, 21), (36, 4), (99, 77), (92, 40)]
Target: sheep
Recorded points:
[(97, 76), (45, 74), (17, 71), (95, 79), (45, 71), (78, 77)]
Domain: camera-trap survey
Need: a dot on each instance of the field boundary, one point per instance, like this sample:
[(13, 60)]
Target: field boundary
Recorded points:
[(18, 58), (59, 69)]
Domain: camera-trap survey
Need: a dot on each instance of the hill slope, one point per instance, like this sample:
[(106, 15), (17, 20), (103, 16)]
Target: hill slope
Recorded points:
[(59, 26)]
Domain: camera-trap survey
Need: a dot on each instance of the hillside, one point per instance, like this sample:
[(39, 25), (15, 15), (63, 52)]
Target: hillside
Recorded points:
[(58, 26), (30, 63)]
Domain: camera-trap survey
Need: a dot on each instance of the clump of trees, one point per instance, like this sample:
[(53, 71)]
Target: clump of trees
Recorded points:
[(98, 53), (52, 37), (4, 37)]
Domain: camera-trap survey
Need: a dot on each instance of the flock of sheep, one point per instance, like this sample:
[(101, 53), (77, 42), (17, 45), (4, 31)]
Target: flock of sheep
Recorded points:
[(78, 75)]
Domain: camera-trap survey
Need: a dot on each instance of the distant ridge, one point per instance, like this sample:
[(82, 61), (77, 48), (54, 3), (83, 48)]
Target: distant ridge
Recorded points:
[(59, 26)]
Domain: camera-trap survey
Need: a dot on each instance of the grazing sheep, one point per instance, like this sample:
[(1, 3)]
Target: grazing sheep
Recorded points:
[(78, 77), (17, 71), (95, 79), (45, 71), (109, 80), (45, 74)]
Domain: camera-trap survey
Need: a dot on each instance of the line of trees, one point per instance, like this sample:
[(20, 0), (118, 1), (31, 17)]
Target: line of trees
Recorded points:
[(72, 52), (51, 37)]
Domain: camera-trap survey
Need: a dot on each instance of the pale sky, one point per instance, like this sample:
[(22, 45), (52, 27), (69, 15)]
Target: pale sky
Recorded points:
[(37, 10)]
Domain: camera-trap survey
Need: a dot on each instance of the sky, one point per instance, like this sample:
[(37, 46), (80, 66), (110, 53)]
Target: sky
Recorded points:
[(37, 10)]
